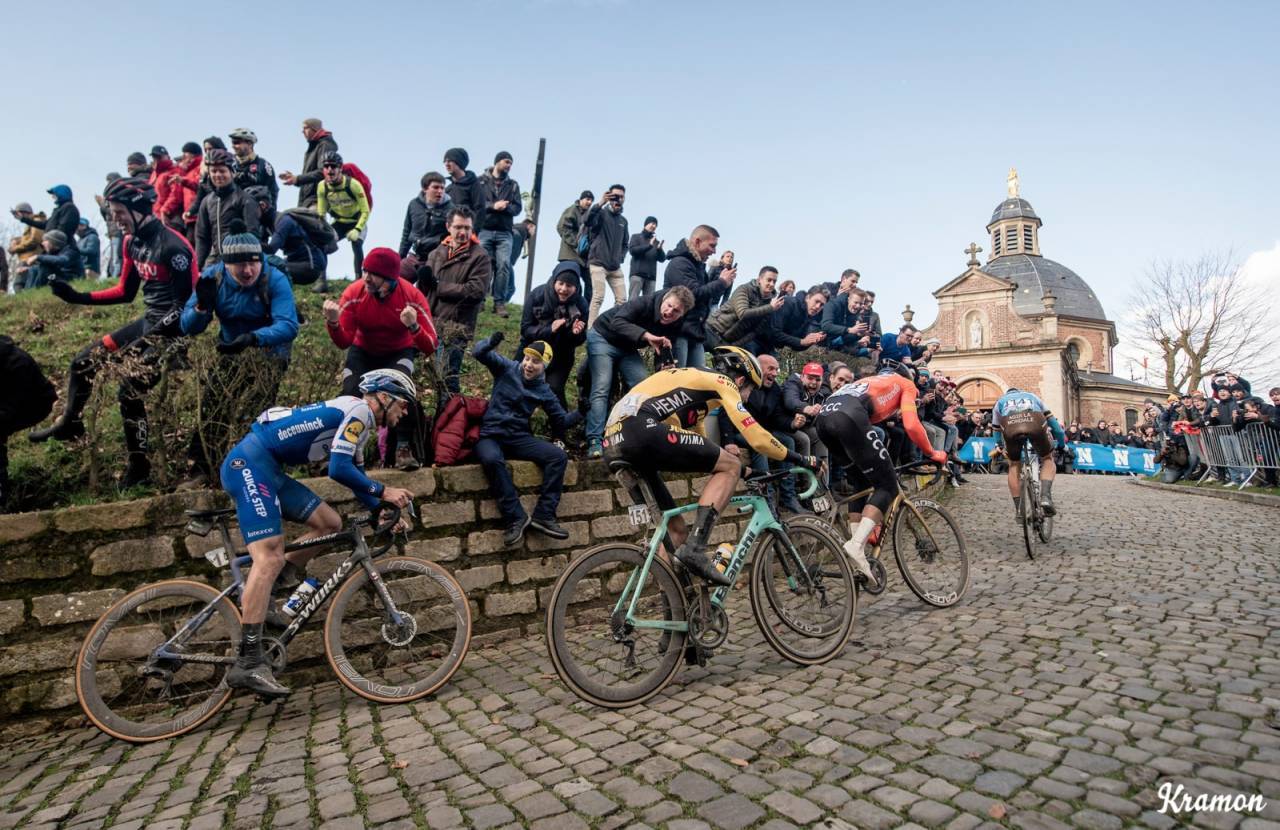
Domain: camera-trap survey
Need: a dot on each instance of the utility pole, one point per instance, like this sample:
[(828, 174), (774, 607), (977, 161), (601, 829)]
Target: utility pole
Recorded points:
[(536, 198)]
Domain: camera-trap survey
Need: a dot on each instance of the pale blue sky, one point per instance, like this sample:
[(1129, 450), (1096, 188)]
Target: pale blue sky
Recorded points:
[(815, 136)]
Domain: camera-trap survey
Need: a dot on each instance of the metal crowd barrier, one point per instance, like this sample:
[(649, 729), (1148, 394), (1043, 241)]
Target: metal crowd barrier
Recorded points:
[(1253, 448)]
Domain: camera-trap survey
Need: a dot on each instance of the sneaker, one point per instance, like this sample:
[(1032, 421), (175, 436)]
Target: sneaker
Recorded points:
[(500, 309), (859, 558), (699, 563), (595, 450), (549, 527), (256, 678), (515, 532), (405, 459)]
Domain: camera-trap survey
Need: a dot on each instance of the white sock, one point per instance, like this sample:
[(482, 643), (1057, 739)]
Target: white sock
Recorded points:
[(854, 547)]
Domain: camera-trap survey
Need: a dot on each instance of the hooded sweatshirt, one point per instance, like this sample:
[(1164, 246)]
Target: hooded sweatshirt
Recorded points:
[(544, 308), (65, 216)]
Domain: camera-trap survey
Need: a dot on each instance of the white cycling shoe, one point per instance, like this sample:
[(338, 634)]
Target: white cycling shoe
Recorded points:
[(858, 557)]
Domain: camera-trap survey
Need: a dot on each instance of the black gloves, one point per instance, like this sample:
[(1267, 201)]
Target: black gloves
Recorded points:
[(427, 281), (496, 338), (63, 291), (238, 345), (206, 293)]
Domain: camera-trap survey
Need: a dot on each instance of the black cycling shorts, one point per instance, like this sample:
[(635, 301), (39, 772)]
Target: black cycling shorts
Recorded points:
[(845, 428), (1021, 425), (651, 447)]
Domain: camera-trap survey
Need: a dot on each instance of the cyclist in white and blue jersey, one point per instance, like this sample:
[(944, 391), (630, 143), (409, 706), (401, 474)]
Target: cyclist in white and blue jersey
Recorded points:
[(264, 495), (1020, 414)]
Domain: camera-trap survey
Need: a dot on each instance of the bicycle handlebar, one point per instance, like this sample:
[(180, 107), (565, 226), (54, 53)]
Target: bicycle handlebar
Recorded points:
[(761, 480), (813, 482), (926, 466)]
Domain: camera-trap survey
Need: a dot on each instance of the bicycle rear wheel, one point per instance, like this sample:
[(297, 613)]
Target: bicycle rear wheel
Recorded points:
[(601, 657), (130, 695), (930, 552), (804, 602), (1028, 512), (388, 661), (1045, 529)]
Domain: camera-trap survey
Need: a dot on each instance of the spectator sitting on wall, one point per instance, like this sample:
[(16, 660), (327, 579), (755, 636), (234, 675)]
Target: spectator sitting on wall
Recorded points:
[(518, 389)]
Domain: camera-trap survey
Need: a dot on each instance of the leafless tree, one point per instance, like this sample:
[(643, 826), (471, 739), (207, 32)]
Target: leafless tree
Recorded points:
[(1200, 316)]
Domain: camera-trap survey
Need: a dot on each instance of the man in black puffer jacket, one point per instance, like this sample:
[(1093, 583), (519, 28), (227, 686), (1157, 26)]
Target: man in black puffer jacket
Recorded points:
[(556, 313), (687, 266), (226, 202)]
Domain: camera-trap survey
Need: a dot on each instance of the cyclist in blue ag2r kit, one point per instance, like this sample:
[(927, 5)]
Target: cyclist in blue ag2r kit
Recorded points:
[(253, 474), (1020, 414)]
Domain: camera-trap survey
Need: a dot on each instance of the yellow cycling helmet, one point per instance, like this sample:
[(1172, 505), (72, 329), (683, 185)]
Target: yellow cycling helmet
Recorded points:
[(735, 362)]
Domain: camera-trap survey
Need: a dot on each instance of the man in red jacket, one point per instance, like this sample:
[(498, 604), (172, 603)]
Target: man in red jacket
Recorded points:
[(162, 169), (184, 181), (383, 322)]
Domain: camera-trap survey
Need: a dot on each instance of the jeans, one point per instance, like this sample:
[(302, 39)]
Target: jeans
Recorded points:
[(116, 260), (497, 244), (953, 437), (603, 357), (689, 353), (454, 351), (642, 287), (599, 276), (492, 453)]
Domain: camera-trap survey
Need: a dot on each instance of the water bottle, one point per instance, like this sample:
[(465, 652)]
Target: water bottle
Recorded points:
[(300, 596), (722, 556)]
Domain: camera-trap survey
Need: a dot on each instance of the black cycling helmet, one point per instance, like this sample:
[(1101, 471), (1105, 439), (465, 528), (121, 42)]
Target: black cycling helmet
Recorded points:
[(737, 362), (893, 367), (331, 158), (135, 193), (220, 158)]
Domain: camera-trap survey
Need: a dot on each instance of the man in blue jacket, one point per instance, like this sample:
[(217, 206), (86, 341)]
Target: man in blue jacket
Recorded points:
[(519, 389), (60, 261), (258, 321)]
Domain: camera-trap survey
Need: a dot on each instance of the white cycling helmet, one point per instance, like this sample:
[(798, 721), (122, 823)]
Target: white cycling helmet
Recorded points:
[(392, 381)]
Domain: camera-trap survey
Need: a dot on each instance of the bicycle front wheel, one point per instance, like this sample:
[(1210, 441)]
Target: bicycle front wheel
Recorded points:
[(1028, 512), (804, 600), (388, 659), (130, 694), (930, 552), (601, 656)]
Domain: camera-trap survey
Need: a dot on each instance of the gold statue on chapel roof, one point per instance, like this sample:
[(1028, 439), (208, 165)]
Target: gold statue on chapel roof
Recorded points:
[(1012, 182)]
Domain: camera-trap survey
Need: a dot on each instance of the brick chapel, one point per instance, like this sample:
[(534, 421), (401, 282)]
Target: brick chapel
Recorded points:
[(1021, 320)]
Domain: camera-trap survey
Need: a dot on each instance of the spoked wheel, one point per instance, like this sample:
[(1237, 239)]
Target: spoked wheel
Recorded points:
[(804, 601), (392, 660), (930, 553), (600, 656), (1045, 529), (130, 694), (1028, 514)]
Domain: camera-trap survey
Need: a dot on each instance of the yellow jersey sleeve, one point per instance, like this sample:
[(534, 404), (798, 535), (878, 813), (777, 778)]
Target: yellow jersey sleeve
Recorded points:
[(760, 439)]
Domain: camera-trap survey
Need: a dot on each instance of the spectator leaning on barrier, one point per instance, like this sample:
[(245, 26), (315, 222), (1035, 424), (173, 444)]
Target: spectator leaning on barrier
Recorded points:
[(342, 197), (464, 188), (457, 278), (226, 202), (796, 324), (569, 227), (383, 322), (897, 346), (739, 321), (501, 196), (19, 371), (425, 225), (254, 304), (90, 246), (320, 143), (556, 313), (687, 267), (519, 388), (613, 344), (646, 252), (607, 235)]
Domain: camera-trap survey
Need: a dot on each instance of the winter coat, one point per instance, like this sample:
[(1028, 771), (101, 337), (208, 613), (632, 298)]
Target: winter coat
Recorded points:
[(65, 216), (312, 174), (20, 371), (265, 309), (457, 429), (64, 264), (258, 172), (608, 234), (746, 312), (90, 247), (159, 180), (29, 243), (373, 324), (569, 227), (493, 189), (466, 192), (766, 404), (684, 269), (544, 307), (214, 221), (513, 399), (185, 198), (795, 397), (625, 326), (290, 237), (790, 324), (462, 282), (424, 226), (645, 256)]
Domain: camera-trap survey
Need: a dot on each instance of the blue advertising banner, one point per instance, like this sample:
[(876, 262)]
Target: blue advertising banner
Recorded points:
[(1092, 457)]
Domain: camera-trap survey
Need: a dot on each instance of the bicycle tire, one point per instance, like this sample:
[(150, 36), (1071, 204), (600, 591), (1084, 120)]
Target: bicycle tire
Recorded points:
[(831, 634), (593, 607), (1045, 529), (948, 594), (1028, 512), (441, 650), (92, 677)]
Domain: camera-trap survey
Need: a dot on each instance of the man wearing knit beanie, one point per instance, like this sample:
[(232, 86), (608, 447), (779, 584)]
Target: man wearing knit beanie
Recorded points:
[(464, 187), (646, 253), (383, 322), (257, 316), (501, 195)]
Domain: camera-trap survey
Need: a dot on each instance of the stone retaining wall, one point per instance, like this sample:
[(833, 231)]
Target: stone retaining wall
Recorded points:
[(60, 569)]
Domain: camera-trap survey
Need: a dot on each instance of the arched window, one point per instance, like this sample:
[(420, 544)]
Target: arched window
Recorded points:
[(1130, 419), (1073, 353), (1079, 352)]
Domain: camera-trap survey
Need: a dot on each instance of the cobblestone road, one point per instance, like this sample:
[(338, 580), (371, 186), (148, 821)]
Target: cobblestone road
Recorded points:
[(1139, 650)]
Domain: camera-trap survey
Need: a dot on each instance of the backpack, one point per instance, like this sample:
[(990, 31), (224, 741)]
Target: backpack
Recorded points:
[(358, 174), (584, 241), (264, 290), (319, 232), (457, 429)]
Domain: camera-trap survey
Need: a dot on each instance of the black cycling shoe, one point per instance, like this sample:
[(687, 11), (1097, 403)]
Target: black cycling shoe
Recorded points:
[(1046, 503), (697, 562), (549, 527), (258, 679)]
